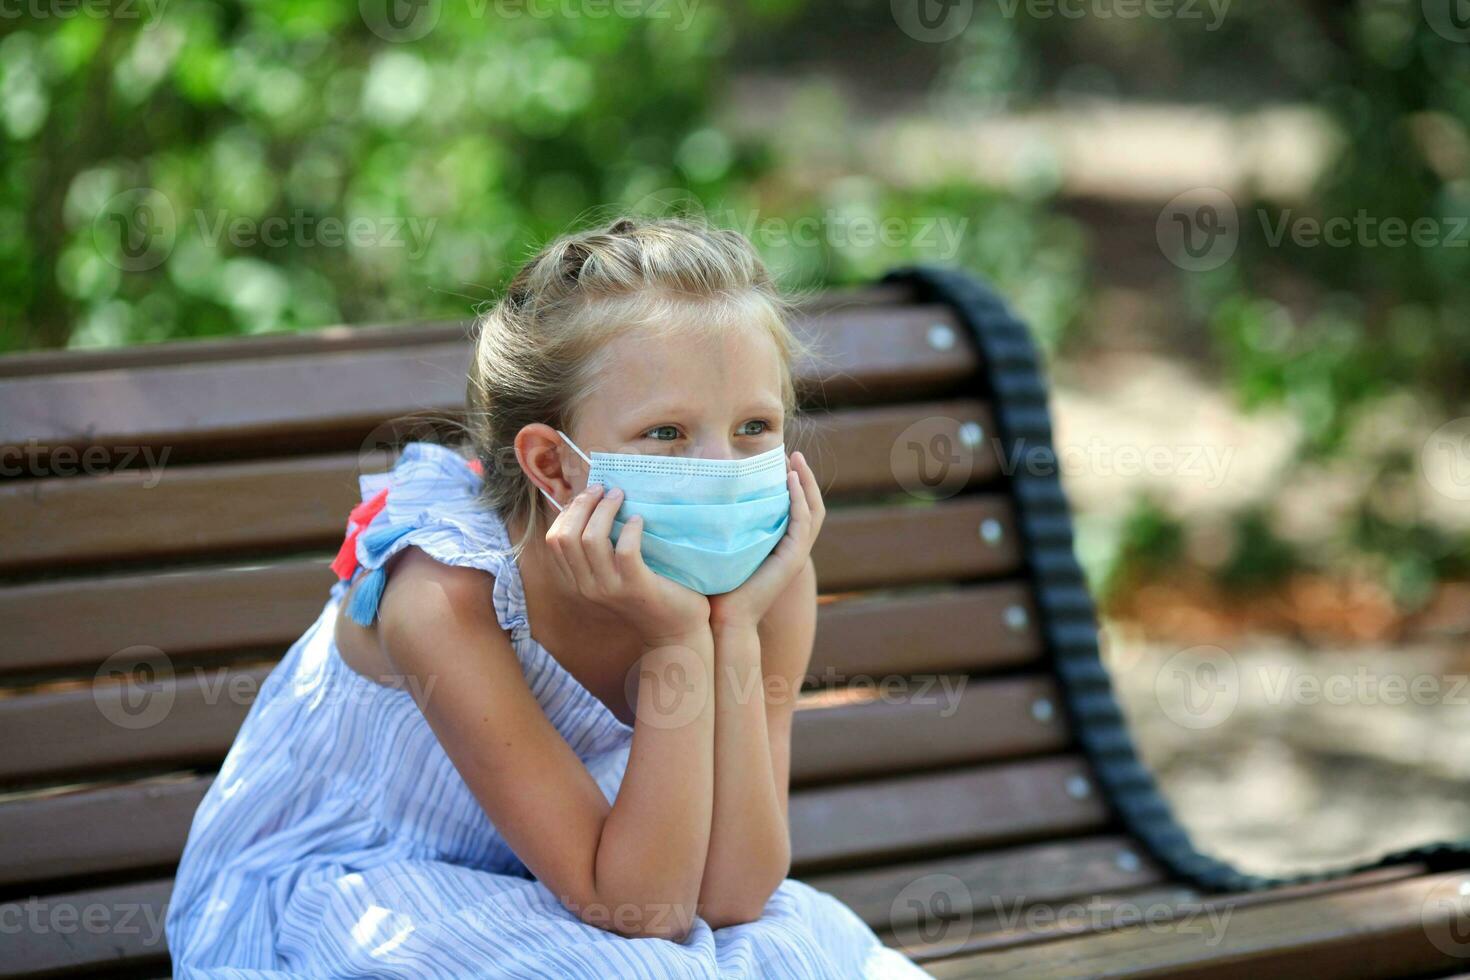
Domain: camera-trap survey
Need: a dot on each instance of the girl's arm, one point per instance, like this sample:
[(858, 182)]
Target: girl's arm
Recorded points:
[(758, 673), (763, 636), (633, 867)]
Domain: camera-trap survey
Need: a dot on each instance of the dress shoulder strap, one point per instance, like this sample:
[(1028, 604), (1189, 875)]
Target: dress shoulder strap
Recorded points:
[(430, 499)]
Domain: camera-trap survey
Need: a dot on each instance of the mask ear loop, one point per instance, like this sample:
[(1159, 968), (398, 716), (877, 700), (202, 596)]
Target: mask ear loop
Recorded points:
[(579, 452)]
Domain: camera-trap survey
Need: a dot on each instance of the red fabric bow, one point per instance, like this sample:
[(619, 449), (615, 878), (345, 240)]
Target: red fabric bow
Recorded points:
[(345, 564)]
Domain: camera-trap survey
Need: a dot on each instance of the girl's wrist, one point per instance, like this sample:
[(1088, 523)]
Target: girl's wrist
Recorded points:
[(680, 636), (737, 642), (733, 623)]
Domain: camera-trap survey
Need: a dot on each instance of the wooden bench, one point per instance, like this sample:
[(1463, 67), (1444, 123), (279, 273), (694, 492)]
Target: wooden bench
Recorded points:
[(962, 777)]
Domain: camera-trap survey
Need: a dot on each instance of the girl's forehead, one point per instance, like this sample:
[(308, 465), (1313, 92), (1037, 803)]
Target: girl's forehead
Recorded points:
[(739, 364), (696, 353)]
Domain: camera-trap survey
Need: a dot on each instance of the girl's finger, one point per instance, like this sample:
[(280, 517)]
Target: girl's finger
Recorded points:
[(576, 516), (801, 514), (813, 493), (629, 551), (596, 544), (553, 543)]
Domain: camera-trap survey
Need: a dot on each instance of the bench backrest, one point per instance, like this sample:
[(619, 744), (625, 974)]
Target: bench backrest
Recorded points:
[(167, 515)]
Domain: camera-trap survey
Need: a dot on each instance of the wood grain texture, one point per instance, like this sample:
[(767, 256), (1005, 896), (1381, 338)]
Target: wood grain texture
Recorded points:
[(969, 887), (177, 511), (97, 929), (189, 716), (264, 603), (245, 406), (143, 825), (962, 809), (1403, 928)]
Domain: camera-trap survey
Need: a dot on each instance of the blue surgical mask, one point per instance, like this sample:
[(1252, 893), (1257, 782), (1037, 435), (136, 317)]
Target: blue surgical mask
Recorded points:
[(707, 523)]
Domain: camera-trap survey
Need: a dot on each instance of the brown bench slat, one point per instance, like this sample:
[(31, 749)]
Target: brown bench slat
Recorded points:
[(868, 354), (968, 886), (268, 606), (924, 723), (180, 510), (245, 402), (191, 719), (914, 816), (1116, 910), (116, 927), (338, 339), (1036, 922), (303, 501), (335, 339), (1015, 926), (144, 824), (881, 545), (125, 827), (79, 623), (859, 449), (860, 547), (1386, 930), (962, 629)]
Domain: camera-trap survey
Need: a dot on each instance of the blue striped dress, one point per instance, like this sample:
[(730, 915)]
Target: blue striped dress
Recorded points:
[(339, 840)]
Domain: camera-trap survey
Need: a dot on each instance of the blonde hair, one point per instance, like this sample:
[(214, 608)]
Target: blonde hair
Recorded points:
[(539, 351)]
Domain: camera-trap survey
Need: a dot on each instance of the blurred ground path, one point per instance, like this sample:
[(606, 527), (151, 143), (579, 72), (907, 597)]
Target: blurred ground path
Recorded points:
[(1338, 747), (1327, 757), (1092, 147)]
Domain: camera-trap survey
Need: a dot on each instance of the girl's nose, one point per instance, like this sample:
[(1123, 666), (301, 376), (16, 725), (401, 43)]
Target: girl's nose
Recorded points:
[(715, 449)]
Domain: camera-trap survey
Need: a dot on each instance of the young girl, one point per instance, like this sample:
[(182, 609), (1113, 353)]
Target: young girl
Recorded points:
[(530, 739)]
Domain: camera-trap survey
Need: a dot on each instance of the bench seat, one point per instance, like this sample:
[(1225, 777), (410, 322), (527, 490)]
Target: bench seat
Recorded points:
[(960, 774)]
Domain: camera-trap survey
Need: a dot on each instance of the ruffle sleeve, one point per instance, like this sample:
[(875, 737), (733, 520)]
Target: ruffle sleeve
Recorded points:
[(428, 500)]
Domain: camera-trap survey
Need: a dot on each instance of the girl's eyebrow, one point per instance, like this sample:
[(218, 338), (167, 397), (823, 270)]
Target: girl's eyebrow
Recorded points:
[(768, 407), (674, 409)]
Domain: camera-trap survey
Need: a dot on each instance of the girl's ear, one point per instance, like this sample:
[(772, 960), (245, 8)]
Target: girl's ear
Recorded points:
[(542, 457)]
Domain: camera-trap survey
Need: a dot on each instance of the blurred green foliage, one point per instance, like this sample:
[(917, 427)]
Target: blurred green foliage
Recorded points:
[(403, 175), (1334, 331), (209, 168), (1331, 332)]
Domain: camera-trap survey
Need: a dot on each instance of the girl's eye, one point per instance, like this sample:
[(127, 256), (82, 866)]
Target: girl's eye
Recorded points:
[(764, 427), (671, 432)]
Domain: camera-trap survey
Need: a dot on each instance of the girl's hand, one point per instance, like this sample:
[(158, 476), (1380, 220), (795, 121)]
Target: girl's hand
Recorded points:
[(747, 604), (580, 539)]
